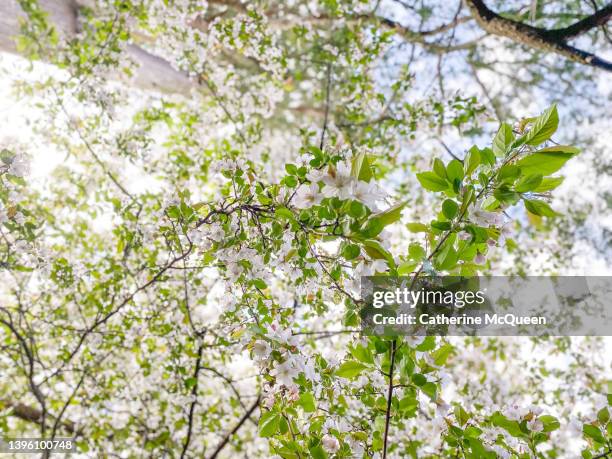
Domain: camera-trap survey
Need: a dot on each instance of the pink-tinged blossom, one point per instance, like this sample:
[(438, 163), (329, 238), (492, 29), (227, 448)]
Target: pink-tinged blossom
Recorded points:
[(330, 443), (268, 401), (293, 393), (284, 373)]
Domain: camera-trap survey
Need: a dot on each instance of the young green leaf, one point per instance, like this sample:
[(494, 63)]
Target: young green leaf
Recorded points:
[(269, 423), (503, 140), (416, 252), (549, 183), (432, 181), (375, 250), (392, 214), (450, 209), (439, 169), (307, 402), (593, 433), (417, 227), (350, 369), (543, 127), (454, 170), (544, 163), (351, 251), (471, 161), (539, 208), (528, 183), (361, 168)]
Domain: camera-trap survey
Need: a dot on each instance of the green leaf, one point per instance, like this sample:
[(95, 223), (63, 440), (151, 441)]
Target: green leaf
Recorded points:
[(503, 140), (442, 226), (260, 284), (375, 250), (550, 423), (350, 369), (450, 208), (505, 195), (544, 163), (392, 214), (307, 402), (417, 227), (317, 452), (284, 213), (454, 170), (471, 161), (291, 169), (543, 127), (430, 390), (603, 415), (528, 183), (432, 181), (357, 209), (428, 344), (361, 168), (463, 417), (351, 251), (439, 169), (442, 354), (508, 173), (539, 208), (373, 227), (549, 183), (593, 432), (290, 181), (416, 252), (269, 423), (406, 268), (283, 426), (487, 156), (512, 427), (478, 233), (560, 149), (363, 354)]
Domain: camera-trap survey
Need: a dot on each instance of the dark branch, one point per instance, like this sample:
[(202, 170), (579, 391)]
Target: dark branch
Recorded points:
[(31, 414), (597, 19), (538, 38), (389, 396), (194, 394), (237, 427)]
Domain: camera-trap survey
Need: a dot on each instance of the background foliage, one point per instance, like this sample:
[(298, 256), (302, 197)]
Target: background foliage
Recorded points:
[(183, 278)]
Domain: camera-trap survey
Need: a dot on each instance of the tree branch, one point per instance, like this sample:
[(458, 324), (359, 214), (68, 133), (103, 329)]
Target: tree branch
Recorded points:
[(389, 397), (31, 414), (597, 19), (194, 394), (543, 39), (237, 427), (419, 37)]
